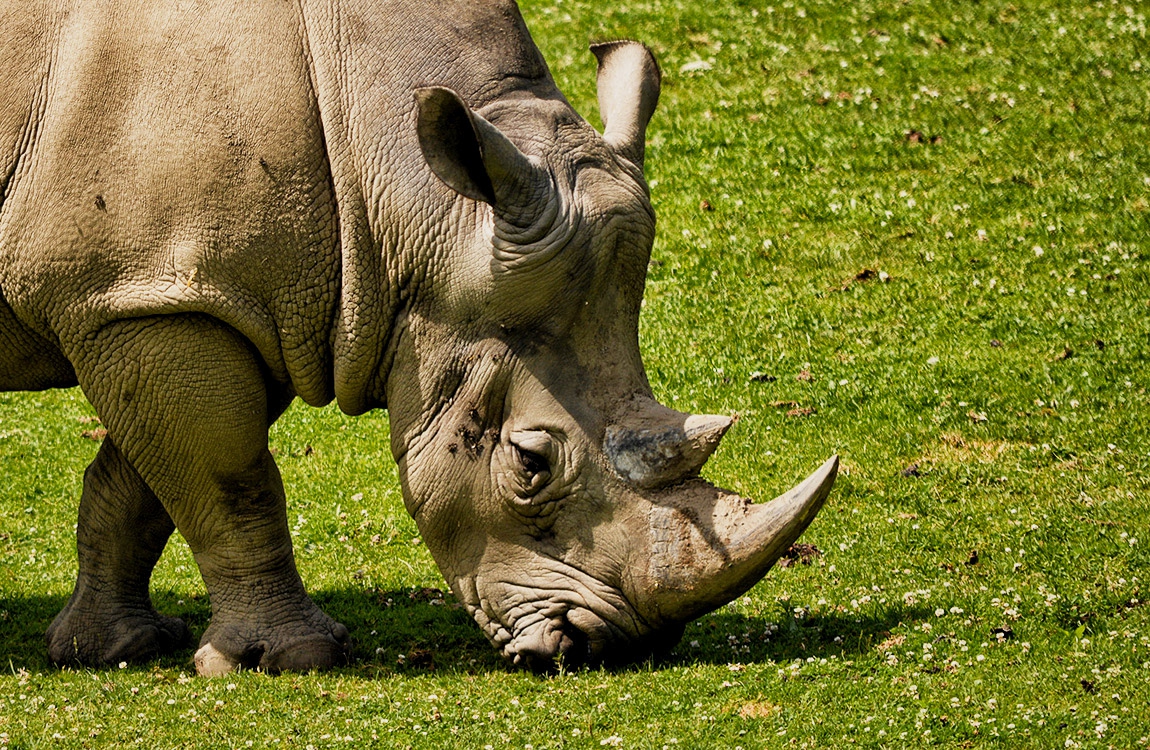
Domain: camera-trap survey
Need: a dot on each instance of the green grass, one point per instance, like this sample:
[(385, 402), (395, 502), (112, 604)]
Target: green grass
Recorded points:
[(987, 392)]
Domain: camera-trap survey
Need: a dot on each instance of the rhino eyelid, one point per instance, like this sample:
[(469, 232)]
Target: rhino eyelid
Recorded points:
[(539, 442), (534, 452)]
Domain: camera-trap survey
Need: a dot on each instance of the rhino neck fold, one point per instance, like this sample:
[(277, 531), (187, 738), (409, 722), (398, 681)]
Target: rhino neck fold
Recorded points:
[(387, 196), (365, 304)]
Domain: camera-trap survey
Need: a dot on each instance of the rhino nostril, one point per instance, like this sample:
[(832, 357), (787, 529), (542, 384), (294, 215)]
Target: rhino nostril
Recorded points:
[(574, 647), (556, 642)]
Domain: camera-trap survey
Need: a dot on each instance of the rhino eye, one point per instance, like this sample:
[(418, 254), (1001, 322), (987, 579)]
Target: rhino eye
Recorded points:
[(533, 450), (532, 463)]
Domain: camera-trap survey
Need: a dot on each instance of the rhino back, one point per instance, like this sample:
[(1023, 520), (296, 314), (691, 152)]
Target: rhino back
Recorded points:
[(172, 161), (256, 162)]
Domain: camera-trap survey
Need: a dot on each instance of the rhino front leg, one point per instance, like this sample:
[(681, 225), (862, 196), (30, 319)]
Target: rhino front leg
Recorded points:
[(185, 399), (261, 615), (120, 533)]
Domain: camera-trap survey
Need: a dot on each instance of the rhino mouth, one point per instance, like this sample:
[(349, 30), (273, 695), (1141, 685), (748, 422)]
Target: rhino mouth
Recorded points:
[(551, 642), (588, 624), (560, 642)]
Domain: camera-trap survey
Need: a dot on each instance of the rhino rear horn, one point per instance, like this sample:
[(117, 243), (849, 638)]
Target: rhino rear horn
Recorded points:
[(666, 450), (628, 82), (475, 159)]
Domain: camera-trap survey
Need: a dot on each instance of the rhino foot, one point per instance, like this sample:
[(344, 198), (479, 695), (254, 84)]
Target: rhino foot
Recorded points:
[(318, 642), (81, 636)]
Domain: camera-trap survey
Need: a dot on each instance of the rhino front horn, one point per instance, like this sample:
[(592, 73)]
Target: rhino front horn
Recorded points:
[(664, 452), (709, 546)]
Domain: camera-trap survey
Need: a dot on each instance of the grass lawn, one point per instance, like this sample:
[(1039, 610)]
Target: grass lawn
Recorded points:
[(911, 233)]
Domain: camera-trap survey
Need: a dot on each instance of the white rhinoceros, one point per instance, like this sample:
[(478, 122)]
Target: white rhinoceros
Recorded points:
[(213, 207)]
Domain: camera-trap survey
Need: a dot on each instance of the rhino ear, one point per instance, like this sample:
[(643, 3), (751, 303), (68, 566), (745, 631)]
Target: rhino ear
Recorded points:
[(475, 159), (628, 81)]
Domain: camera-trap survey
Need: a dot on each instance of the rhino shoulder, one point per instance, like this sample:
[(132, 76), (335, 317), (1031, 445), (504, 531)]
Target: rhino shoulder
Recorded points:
[(170, 160)]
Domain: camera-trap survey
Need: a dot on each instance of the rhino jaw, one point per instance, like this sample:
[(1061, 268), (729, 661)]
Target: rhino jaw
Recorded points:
[(709, 546)]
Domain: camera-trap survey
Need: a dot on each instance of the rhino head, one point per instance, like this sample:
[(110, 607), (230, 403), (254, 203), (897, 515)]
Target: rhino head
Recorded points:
[(561, 502)]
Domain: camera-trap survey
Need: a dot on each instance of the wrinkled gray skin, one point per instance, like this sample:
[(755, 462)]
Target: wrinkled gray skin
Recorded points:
[(212, 208)]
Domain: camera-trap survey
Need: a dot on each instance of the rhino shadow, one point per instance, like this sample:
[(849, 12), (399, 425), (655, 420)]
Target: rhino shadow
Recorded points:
[(409, 629), (25, 619), (385, 626), (23, 622), (423, 629), (414, 630), (728, 637)]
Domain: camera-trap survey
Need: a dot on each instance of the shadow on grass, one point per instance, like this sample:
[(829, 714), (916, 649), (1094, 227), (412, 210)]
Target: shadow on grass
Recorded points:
[(419, 625), (411, 631), (25, 619), (23, 622), (725, 637)]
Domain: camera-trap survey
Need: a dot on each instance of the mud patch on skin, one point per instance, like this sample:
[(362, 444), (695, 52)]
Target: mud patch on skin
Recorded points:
[(699, 513), (474, 436), (471, 442)]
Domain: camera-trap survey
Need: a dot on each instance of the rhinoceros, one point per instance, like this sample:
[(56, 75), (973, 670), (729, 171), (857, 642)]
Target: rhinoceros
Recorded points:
[(212, 208)]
